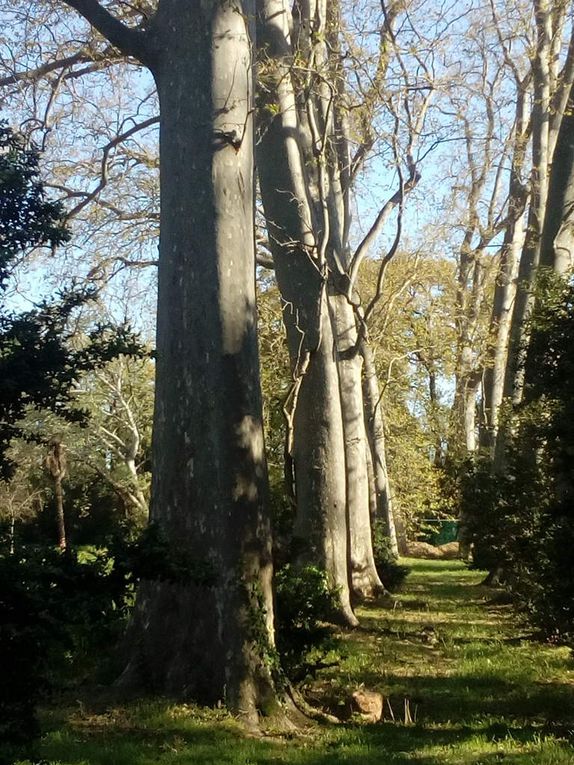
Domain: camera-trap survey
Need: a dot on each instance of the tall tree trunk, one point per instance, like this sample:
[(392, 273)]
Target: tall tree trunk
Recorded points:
[(505, 286), (365, 581), (557, 248), (504, 294), (56, 466), (59, 495), (376, 434), (315, 420), (321, 526), (209, 488), (464, 410), (209, 493)]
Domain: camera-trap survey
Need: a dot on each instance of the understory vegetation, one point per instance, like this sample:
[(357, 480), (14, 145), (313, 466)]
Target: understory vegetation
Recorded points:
[(520, 516), (464, 683)]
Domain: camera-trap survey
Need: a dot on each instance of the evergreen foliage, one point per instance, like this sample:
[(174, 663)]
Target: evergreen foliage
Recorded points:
[(38, 363), (304, 604), (52, 605), (27, 219), (392, 573), (522, 521), (57, 609), (62, 612)]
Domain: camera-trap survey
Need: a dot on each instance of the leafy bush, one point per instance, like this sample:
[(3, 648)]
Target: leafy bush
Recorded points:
[(522, 520), (55, 610), (304, 603), (392, 573)]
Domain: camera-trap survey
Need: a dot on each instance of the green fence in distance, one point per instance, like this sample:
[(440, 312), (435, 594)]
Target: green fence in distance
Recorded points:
[(438, 532)]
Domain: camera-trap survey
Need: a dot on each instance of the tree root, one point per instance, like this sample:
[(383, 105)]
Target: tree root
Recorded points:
[(310, 712)]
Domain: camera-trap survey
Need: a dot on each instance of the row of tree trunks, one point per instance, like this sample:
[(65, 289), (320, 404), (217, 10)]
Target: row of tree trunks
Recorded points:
[(541, 122), (210, 639), (315, 420), (304, 203), (327, 152), (548, 234), (541, 157)]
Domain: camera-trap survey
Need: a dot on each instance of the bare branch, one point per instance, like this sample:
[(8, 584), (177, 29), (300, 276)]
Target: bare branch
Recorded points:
[(41, 71), (104, 164), (131, 42)]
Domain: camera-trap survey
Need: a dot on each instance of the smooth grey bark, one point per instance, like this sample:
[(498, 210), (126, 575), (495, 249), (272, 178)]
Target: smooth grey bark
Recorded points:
[(321, 530), (315, 418), (504, 294), (464, 408), (376, 434), (557, 248), (365, 581), (209, 493), (470, 298)]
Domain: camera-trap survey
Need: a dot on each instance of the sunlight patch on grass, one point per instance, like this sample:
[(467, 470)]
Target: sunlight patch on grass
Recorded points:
[(464, 684)]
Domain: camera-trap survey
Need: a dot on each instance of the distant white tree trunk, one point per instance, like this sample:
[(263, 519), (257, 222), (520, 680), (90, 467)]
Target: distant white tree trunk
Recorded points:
[(376, 434), (365, 581)]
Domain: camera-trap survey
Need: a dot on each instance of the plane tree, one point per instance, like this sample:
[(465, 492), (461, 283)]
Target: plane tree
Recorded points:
[(209, 494)]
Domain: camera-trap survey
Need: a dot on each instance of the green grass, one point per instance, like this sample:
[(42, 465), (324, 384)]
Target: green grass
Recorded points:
[(478, 688)]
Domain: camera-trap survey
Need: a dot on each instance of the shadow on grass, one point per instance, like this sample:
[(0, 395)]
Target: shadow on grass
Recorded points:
[(438, 700), (475, 699), (390, 743)]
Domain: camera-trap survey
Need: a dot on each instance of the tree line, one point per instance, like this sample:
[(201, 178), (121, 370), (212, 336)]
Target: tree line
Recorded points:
[(270, 119)]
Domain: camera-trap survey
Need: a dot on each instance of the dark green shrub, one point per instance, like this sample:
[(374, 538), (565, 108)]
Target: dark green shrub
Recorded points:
[(305, 603), (56, 610), (392, 573), (521, 520), (62, 613)]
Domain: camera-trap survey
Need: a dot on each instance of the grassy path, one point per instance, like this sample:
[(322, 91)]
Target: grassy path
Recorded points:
[(463, 680)]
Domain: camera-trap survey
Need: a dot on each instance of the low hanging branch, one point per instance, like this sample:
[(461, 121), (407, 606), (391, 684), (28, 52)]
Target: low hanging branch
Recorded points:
[(93, 59)]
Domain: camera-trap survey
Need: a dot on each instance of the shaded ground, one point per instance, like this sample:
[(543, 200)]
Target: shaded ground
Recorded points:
[(463, 681)]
